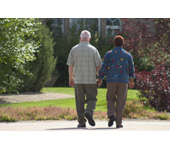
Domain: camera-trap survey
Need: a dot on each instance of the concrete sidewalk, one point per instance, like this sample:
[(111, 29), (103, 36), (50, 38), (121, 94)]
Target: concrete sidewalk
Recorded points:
[(65, 125)]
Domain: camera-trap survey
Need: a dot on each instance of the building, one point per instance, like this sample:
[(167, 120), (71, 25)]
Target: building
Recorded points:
[(103, 26)]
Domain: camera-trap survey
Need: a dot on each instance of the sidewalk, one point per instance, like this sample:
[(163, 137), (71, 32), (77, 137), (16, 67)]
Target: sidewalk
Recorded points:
[(101, 125)]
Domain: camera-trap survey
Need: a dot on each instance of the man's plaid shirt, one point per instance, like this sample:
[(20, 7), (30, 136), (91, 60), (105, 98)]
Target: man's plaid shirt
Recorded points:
[(84, 58)]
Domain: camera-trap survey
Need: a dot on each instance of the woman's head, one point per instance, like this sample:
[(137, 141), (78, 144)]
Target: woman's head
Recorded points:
[(118, 41)]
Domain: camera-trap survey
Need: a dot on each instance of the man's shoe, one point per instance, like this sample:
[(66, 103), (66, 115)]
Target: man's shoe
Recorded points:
[(112, 119), (90, 119), (119, 126), (81, 126)]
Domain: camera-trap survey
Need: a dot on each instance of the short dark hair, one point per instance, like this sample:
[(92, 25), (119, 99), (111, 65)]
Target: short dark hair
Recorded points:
[(118, 41)]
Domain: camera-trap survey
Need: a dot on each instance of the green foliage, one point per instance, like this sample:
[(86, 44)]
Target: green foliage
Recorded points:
[(44, 64), (15, 50)]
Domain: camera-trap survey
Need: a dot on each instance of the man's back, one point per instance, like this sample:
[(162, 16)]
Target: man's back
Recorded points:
[(84, 58)]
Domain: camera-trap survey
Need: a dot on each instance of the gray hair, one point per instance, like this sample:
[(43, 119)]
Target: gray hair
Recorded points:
[(85, 35)]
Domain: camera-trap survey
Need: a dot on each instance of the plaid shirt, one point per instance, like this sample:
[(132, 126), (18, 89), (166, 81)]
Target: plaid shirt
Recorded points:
[(84, 58)]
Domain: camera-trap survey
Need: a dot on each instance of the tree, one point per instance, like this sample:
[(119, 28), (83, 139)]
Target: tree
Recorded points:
[(62, 48), (44, 65), (154, 84), (15, 51), (139, 35)]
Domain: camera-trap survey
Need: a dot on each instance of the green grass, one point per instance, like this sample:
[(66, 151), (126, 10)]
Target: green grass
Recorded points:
[(69, 102), (63, 90), (65, 108)]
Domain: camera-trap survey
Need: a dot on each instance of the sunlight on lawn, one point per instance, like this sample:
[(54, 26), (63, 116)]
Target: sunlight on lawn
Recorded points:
[(70, 102)]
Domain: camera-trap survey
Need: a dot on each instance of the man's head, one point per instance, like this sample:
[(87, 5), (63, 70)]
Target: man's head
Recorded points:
[(85, 36), (118, 41)]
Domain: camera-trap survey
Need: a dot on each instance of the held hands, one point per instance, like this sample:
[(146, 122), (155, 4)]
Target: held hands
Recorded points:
[(99, 82)]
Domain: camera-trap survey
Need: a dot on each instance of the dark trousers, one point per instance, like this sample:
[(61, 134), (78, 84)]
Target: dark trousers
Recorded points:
[(85, 93), (116, 100)]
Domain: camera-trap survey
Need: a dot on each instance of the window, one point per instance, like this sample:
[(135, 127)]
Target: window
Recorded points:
[(113, 25), (90, 24), (58, 22)]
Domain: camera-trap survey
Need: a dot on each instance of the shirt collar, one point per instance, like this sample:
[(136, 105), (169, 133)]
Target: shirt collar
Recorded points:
[(83, 42)]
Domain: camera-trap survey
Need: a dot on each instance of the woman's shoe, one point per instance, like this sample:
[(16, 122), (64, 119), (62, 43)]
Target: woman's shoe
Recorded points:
[(81, 126), (119, 126)]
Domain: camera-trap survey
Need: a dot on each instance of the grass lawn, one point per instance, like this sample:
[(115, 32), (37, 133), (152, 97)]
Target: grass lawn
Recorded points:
[(65, 108), (70, 102)]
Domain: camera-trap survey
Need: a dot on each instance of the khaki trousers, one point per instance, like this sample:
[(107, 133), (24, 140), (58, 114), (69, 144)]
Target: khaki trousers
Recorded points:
[(85, 94), (116, 100)]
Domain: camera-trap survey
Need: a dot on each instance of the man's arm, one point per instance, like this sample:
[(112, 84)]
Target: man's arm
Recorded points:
[(97, 70), (71, 78), (70, 71)]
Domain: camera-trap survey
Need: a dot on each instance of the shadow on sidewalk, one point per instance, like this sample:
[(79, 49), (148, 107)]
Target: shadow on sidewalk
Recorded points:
[(75, 128)]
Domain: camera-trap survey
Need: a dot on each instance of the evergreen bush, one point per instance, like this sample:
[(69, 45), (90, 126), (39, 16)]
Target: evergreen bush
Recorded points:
[(44, 65)]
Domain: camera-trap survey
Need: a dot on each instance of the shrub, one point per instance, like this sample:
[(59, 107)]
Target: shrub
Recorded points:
[(155, 85), (154, 88), (43, 67), (138, 34), (132, 110), (36, 113), (151, 52), (137, 110)]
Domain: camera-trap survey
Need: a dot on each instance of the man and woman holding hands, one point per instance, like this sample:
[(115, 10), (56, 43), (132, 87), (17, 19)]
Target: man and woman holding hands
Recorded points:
[(84, 64)]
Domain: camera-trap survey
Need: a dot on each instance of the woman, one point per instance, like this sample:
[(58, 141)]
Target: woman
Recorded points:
[(119, 70)]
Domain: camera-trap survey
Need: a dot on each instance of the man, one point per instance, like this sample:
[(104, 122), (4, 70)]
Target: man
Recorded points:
[(119, 70), (84, 63)]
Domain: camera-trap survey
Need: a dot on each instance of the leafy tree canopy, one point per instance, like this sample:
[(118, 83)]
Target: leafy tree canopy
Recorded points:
[(16, 49)]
